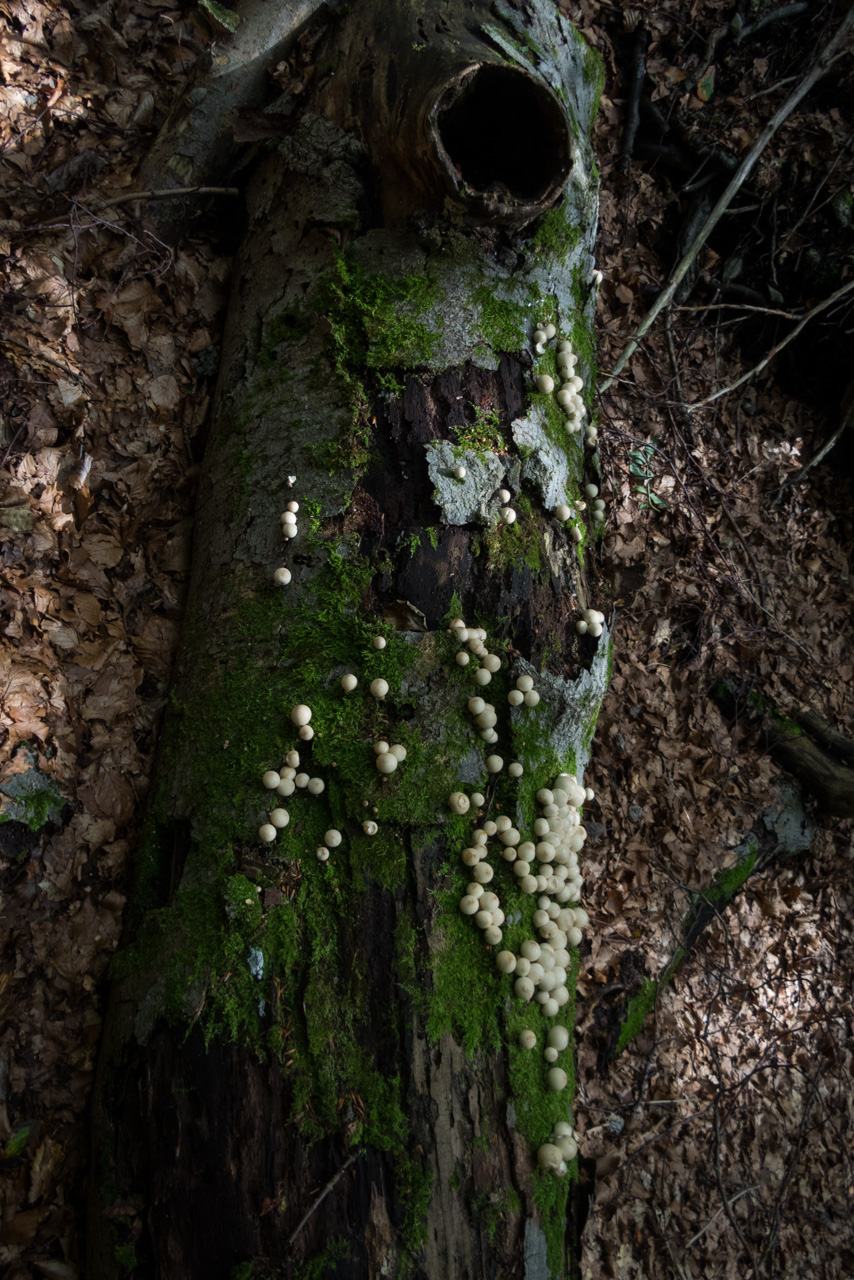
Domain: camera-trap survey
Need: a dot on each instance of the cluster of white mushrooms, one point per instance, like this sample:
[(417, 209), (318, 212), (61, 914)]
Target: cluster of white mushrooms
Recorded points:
[(282, 575), (568, 395)]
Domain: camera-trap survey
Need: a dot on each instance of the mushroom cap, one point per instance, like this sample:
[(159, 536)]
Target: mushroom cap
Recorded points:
[(379, 687), (505, 961), (549, 1156), (316, 786), (267, 832), (378, 642), (527, 1038), (458, 802), (301, 714), (332, 838), (369, 827), (306, 732), (469, 905), (399, 751), (524, 988), (558, 1038), (494, 764), (271, 779), (322, 853), (386, 762), (280, 818), (545, 383), (556, 1079), (349, 682), (282, 577)]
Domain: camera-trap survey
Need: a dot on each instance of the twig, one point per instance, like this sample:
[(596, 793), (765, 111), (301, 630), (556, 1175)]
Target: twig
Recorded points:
[(750, 557), (776, 15), (168, 194), (739, 177), (822, 306), (40, 355), (737, 306), (637, 71), (324, 1193), (744, 1192), (11, 445)]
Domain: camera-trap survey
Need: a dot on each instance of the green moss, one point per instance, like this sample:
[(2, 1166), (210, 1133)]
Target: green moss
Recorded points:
[(503, 322), (508, 546), (36, 808), (594, 74), (637, 1009), (318, 1267), (554, 234)]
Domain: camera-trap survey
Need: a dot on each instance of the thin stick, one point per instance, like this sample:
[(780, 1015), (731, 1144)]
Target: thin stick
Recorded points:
[(745, 1191), (168, 194), (822, 306), (324, 1193), (737, 306), (40, 355), (739, 177)]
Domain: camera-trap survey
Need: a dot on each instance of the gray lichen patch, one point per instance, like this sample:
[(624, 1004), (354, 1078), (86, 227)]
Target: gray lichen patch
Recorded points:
[(472, 500), (568, 709), (544, 463)]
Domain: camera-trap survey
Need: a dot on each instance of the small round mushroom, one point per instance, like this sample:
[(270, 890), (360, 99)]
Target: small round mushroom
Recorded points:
[(558, 1038), (469, 905), (515, 697), (494, 764), (386, 762), (378, 642), (524, 683), (491, 662), (540, 335), (399, 751), (348, 683), (322, 853), (280, 818), (550, 1054), (285, 787), (267, 832), (458, 802), (332, 838), (581, 627), (462, 658), (532, 698), (316, 786), (556, 1079), (505, 961), (524, 988), (550, 1157), (545, 383), (477, 799), (550, 331), (369, 827), (282, 577), (482, 873), (301, 780), (475, 705), (379, 688), (508, 515), (482, 676), (301, 714), (271, 779), (562, 511), (306, 733), (504, 496), (527, 1038), (460, 473), (515, 769)]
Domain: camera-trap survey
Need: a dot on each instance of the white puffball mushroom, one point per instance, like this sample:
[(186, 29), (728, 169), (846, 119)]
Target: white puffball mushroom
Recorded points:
[(271, 780), (280, 818), (267, 832), (370, 828), (491, 662), (556, 1079), (332, 838), (399, 751), (595, 629), (550, 330), (316, 786), (545, 383), (527, 1039), (550, 1055), (589, 794), (322, 853), (292, 506), (505, 961), (301, 714), (494, 764), (379, 688), (288, 518), (508, 515), (532, 698), (477, 799), (469, 905), (550, 1007), (540, 335), (549, 1157), (576, 534), (515, 697), (462, 658), (483, 918), (378, 642), (562, 511), (504, 496), (285, 787), (482, 873), (591, 490), (293, 759), (381, 746), (581, 627), (348, 683), (474, 890), (301, 780), (528, 884), (282, 577), (515, 769), (492, 935), (458, 802), (475, 705), (306, 733), (524, 683), (482, 676), (386, 762), (524, 988), (558, 1038), (459, 473)]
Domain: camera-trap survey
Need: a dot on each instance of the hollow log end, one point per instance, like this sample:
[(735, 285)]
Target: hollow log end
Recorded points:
[(502, 142)]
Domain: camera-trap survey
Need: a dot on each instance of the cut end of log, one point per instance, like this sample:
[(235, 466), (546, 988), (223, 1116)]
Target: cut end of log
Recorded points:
[(503, 142)]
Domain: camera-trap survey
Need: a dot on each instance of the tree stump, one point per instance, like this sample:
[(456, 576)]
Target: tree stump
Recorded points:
[(312, 1061)]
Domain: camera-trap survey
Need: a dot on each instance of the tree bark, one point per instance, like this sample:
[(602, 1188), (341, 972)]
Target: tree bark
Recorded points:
[(309, 1061)]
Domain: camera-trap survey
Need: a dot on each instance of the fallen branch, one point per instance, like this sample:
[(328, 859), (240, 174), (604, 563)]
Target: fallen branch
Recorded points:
[(745, 1191), (739, 177), (816, 310), (168, 194), (324, 1193)]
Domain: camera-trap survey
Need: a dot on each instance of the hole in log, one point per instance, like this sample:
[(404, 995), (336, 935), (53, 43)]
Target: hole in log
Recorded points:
[(506, 134)]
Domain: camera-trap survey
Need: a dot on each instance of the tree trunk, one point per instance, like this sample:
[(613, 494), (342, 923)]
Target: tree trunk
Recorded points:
[(317, 1061)]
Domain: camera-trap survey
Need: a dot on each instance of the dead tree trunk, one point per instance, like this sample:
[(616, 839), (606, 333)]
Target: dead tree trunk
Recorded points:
[(319, 1060)]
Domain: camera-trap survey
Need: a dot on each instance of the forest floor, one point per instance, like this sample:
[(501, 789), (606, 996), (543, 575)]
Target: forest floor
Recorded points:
[(721, 1138)]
